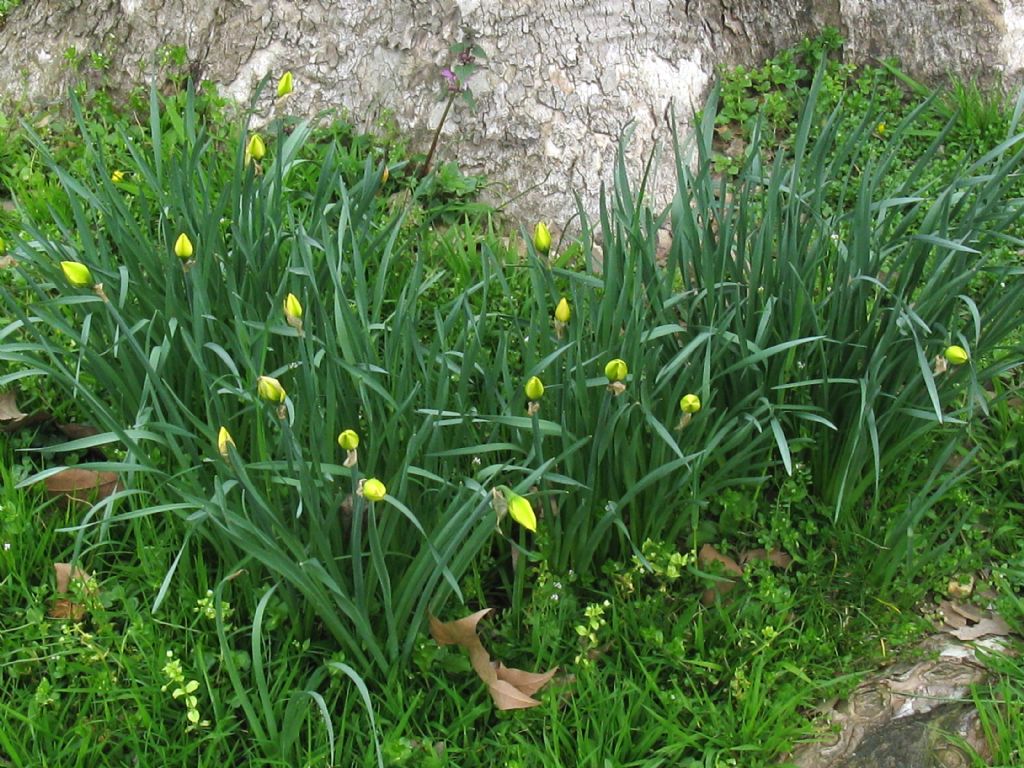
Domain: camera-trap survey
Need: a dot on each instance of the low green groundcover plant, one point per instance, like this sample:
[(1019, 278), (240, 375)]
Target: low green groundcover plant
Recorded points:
[(281, 381)]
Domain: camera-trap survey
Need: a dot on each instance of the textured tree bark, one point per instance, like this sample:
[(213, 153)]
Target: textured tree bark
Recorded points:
[(564, 80)]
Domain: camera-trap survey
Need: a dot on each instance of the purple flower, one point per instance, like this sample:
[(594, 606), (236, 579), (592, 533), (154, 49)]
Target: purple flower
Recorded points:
[(450, 77)]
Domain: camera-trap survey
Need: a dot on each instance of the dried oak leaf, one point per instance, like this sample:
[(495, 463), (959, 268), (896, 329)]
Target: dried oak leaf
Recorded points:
[(81, 485), (993, 626), (9, 410), (62, 607), (11, 417), (969, 612), (74, 431), (509, 688), (952, 618), (707, 556), (776, 557)]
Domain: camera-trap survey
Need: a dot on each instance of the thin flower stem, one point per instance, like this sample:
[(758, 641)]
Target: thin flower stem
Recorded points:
[(425, 168)]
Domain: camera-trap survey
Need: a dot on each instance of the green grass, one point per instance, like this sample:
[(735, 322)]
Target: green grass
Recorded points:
[(6, 6), (805, 302)]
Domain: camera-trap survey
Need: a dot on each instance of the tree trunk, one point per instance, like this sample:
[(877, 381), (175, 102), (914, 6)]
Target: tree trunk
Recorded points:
[(564, 80)]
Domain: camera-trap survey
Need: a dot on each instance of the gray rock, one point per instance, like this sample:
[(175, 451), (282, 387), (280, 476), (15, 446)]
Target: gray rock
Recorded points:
[(926, 740), (910, 715)]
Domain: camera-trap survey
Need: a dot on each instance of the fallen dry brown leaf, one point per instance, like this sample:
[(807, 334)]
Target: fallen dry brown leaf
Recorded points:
[(84, 486), (460, 632), (993, 626), (952, 617), (12, 418), (74, 431), (776, 557), (62, 607), (9, 410), (967, 611), (510, 688), (707, 556)]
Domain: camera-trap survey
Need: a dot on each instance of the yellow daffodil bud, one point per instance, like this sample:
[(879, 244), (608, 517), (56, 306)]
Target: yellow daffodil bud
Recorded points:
[(224, 441), (956, 355), (373, 490), (183, 247), (284, 85), (293, 311), (77, 274), (562, 311), (292, 306), (616, 370), (689, 404), (521, 511), (534, 388), (541, 238), (385, 176), (270, 389), (349, 440), (117, 177), (255, 149)]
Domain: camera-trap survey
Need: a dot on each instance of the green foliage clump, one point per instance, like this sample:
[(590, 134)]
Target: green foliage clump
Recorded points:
[(779, 378)]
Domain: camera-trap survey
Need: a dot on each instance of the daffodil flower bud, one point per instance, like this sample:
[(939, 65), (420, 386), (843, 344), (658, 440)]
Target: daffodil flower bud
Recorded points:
[(534, 388), (541, 238), (224, 441), (270, 389), (117, 177), (183, 247), (385, 175), (77, 273), (373, 490), (520, 510), (562, 311), (506, 502), (255, 149), (292, 306), (284, 85), (956, 355), (293, 311), (348, 440), (616, 370), (689, 404)]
